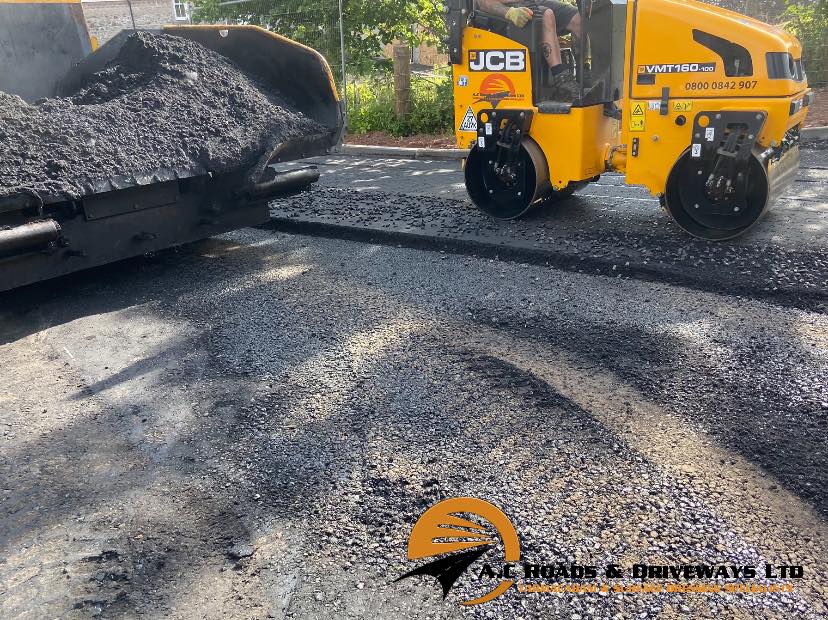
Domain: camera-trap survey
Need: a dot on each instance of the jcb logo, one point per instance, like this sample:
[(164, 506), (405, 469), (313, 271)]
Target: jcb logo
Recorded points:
[(497, 60)]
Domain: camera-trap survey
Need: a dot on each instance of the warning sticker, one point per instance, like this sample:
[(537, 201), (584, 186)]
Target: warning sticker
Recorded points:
[(696, 150), (709, 134), (469, 122), (682, 106), (638, 115)]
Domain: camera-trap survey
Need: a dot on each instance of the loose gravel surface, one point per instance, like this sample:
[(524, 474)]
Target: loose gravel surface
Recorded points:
[(606, 228), (164, 103), (249, 428)]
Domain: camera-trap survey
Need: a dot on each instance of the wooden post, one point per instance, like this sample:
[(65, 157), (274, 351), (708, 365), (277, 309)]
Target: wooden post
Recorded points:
[(402, 79)]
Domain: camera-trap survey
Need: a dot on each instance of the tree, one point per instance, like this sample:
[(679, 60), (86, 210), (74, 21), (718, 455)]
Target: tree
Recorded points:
[(369, 24), (809, 21)]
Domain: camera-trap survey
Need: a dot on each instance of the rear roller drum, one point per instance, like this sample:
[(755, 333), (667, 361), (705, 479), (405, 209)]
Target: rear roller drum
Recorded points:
[(711, 207), (508, 191)]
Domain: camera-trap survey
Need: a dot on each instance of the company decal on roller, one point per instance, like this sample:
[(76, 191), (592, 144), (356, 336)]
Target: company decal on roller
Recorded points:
[(497, 60)]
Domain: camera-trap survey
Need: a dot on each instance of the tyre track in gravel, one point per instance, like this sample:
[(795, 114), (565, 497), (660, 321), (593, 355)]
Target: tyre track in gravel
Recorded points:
[(788, 526)]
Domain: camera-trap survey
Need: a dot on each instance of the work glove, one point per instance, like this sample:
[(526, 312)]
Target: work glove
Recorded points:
[(519, 15)]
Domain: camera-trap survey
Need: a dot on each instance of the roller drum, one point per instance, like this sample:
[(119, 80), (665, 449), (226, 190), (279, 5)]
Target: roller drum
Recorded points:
[(504, 198), (769, 174)]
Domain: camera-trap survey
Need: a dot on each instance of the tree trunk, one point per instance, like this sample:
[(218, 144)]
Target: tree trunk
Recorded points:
[(402, 79)]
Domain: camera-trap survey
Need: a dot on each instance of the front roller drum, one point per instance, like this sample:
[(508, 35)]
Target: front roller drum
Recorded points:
[(690, 205), (508, 194)]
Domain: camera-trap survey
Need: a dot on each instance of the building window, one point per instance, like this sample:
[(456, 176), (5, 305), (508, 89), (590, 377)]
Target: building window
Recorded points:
[(180, 11)]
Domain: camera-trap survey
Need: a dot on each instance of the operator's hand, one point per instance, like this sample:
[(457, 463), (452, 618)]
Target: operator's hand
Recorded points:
[(519, 15)]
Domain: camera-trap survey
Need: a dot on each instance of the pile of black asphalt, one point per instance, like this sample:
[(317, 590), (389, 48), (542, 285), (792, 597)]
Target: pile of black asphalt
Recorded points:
[(163, 103)]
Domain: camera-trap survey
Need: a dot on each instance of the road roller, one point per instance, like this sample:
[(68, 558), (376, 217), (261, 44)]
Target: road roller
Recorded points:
[(700, 105)]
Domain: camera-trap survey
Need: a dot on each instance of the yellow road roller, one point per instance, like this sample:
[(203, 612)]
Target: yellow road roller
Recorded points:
[(701, 105)]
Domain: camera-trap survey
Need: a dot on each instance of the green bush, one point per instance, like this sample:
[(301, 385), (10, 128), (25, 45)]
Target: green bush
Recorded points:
[(371, 106), (809, 21)]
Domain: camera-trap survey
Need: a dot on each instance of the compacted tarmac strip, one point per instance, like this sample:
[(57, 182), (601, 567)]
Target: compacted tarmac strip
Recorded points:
[(249, 426), (606, 228)]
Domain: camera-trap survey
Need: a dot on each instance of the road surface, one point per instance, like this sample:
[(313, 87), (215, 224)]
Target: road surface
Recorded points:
[(249, 427)]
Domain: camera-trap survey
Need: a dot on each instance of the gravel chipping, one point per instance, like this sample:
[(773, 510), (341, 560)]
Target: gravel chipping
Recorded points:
[(164, 103), (249, 426), (794, 277), (607, 228), (260, 443)]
